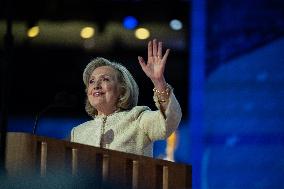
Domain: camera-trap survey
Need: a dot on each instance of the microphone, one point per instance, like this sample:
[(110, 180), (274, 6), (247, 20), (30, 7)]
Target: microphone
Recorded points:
[(38, 115), (61, 100)]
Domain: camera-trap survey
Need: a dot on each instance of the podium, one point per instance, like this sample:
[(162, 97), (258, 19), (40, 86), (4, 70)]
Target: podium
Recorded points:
[(47, 163)]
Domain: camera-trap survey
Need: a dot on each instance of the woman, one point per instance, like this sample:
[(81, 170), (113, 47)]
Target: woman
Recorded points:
[(112, 96)]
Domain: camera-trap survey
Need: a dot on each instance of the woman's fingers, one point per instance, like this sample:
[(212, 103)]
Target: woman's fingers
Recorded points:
[(160, 50), (155, 48), (141, 62), (150, 50), (166, 55)]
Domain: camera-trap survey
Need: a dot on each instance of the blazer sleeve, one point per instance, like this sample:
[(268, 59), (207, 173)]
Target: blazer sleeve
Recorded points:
[(158, 126), (72, 139)]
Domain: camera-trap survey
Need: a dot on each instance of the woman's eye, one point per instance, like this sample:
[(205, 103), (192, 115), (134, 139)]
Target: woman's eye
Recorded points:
[(91, 81), (105, 79)]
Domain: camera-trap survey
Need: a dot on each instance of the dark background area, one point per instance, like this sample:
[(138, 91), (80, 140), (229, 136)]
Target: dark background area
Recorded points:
[(39, 71)]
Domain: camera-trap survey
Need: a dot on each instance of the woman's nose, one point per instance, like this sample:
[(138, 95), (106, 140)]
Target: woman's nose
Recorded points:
[(97, 85)]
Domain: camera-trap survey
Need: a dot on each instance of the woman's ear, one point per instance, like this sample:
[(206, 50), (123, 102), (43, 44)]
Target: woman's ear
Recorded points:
[(121, 91), (121, 94)]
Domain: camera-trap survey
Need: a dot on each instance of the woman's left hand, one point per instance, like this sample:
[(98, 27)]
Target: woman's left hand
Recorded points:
[(156, 62)]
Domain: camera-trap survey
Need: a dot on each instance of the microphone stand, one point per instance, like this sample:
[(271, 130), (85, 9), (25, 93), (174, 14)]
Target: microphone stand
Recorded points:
[(62, 100), (38, 116)]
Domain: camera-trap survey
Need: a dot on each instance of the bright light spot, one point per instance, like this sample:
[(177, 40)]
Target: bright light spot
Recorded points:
[(171, 146), (176, 24), (130, 22), (87, 32), (33, 31), (142, 33)]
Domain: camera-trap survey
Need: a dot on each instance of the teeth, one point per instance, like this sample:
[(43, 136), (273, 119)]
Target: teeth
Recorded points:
[(97, 93)]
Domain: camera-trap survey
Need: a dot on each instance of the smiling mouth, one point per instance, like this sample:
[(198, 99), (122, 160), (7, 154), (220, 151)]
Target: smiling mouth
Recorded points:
[(97, 94)]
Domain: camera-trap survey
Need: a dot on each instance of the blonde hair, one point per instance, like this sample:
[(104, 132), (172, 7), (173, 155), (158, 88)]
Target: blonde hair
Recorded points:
[(129, 97)]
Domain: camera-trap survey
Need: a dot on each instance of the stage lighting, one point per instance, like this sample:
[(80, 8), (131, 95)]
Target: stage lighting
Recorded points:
[(33, 31), (142, 33), (87, 32), (176, 24), (130, 22)]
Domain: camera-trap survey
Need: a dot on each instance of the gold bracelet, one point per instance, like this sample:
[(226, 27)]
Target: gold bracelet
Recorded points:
[(163, 96), (168, 88)]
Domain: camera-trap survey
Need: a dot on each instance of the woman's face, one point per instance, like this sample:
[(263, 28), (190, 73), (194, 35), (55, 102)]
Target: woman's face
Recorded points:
[(103, 90)]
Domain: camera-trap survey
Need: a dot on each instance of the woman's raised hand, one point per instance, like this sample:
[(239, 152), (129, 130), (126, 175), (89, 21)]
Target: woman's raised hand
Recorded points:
[(156, 62)]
